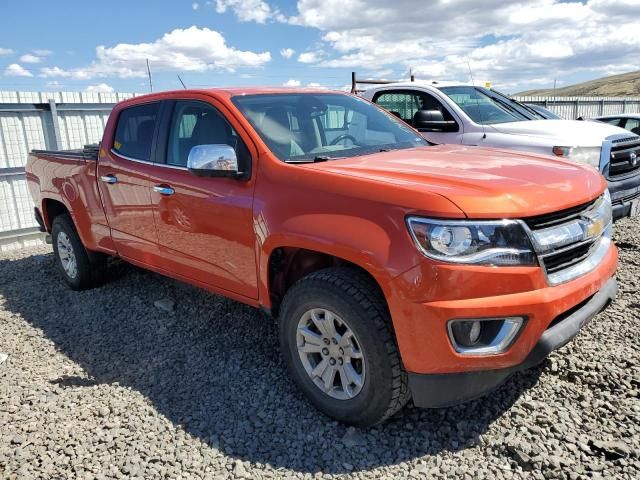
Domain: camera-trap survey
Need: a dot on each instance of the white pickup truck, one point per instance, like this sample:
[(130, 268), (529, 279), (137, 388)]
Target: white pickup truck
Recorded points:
[(457, 113)]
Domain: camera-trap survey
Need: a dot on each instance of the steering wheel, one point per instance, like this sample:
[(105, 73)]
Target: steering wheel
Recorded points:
[(344, 136)]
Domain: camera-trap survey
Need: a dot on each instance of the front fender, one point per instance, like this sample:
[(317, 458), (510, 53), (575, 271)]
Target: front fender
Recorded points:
[(383, 252)]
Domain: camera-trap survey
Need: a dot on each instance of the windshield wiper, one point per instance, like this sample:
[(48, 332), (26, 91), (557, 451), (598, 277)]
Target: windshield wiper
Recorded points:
[(319, 158)]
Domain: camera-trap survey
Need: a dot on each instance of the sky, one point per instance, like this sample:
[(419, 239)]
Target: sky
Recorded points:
[(76, 45)]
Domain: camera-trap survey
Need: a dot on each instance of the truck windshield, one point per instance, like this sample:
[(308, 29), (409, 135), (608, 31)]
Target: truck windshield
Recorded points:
[(307, 127), (487, 107)]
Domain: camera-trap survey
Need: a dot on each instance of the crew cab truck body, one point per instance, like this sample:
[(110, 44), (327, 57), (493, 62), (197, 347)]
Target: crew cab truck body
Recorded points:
[(456, 113), (395, 269)]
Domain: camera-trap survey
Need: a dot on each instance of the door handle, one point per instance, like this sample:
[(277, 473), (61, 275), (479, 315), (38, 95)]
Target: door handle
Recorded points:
[(164, 190), (109, 179)]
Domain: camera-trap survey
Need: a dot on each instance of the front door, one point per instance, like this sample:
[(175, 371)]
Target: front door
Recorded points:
[(405, 103), (205, 224), (123, 171)]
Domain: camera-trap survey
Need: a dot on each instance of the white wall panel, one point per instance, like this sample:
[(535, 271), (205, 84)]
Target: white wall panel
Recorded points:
[(26, 123)]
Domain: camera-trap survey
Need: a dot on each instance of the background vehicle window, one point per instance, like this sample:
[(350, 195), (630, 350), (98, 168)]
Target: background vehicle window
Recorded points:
[(485, 108), (404, 105), (134, 131), (633, 124), (198, 123), (616, 122)]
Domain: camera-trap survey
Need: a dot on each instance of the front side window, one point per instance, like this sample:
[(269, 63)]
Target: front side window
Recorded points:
[(134, 131), (198, 123), (484, 108), (405, 104), (302, 127), (633, 125), (616, 122)]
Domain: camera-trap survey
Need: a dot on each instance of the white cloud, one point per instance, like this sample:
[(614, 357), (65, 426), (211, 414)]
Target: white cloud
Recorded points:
[(318, 85), (29, 58), (250, 10), (287, 52), (5, 51), (193, 49), (42, 52), (195, 5), (101, 87), (55, 85), (310, 57), (291, 83), (16, 70), (506, 42)]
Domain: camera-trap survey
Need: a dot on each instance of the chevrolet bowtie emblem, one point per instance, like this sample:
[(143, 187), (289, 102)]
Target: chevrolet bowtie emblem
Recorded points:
[(595, 226)]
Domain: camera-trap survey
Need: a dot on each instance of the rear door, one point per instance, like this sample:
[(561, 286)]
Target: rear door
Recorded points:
[(123, 178), (205, 224)]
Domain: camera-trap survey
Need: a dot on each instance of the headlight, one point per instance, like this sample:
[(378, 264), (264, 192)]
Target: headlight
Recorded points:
[(502, 242), (586, 155)]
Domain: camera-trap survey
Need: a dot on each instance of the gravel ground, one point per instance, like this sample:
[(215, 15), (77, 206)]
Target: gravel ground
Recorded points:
[(145, 377)]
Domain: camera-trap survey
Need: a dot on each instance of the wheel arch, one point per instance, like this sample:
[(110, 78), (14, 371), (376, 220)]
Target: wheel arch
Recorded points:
[(285, 265)]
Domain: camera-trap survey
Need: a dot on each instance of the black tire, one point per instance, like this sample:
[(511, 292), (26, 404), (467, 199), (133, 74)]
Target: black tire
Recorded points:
[(90, 265), (357, 300)]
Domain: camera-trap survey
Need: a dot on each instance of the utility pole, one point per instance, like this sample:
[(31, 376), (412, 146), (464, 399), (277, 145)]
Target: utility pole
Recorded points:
[(149, 74)]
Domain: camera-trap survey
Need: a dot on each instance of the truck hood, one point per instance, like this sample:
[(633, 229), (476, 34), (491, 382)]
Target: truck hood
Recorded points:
[(566, 133), (482, 182)]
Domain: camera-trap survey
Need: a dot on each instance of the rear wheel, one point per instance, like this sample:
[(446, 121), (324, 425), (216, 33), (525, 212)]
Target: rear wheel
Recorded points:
[(337, 341), (80, 269)]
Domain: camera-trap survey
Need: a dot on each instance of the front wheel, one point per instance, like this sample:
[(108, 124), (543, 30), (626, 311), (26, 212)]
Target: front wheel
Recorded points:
[(337, 341), (80, 269)]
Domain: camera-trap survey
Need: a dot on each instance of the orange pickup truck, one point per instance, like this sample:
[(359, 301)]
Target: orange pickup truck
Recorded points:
[(395, 269)]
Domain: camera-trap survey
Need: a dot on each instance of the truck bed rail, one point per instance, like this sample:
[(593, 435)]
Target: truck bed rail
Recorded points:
[(89, 152)]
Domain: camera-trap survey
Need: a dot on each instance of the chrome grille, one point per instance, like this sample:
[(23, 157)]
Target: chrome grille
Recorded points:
[(573, 255), (573, 241), (557, 218), (625, 157)]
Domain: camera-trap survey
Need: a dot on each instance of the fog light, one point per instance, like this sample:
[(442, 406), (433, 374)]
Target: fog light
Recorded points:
[(466, 332), (484, 336)]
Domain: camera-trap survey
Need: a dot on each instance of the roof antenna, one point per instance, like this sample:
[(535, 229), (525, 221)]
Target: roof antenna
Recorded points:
[(149, 74), (473, 84), (183, 85)]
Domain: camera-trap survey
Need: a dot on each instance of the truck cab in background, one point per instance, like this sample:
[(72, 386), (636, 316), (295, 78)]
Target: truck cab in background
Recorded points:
[(458, 113)]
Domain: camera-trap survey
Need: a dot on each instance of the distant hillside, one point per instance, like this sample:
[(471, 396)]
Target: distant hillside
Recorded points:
[(623, 85)]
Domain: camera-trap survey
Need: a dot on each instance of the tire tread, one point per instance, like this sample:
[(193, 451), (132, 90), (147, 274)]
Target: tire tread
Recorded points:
[(364, 291)]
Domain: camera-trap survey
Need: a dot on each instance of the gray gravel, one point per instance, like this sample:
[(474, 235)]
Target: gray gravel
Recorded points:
[(148, 378)]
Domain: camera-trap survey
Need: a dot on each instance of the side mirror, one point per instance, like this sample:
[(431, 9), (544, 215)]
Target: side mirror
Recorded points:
[(213, 161), (433, 121)]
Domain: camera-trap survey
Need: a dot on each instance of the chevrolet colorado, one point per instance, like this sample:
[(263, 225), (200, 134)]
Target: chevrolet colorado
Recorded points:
[(395, 269), (457, 113)]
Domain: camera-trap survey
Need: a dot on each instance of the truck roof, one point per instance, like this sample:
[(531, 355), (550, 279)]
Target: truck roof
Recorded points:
[(228, 92), (422, 83)]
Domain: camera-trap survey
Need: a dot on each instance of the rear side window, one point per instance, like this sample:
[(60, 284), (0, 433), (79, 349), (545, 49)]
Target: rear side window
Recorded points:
[(134, 131), (405, 104)]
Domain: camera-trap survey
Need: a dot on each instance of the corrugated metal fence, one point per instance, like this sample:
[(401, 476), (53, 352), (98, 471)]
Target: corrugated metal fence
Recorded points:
[(571, 108), (35, 120), (64, 120)]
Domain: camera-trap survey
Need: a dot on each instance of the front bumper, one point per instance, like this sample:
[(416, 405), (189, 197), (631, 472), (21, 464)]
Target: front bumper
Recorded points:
[(442, 390), (623, 192)]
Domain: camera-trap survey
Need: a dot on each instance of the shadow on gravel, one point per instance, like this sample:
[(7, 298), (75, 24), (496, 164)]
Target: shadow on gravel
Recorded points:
[(213, 368)]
